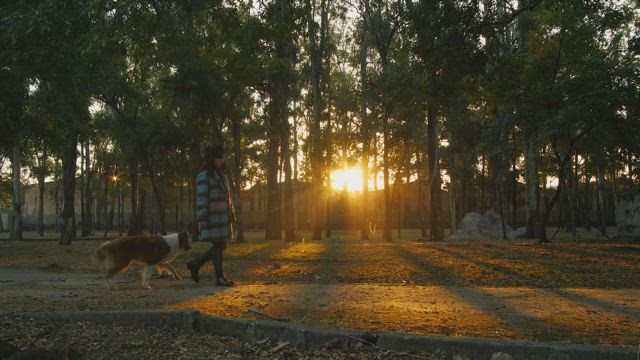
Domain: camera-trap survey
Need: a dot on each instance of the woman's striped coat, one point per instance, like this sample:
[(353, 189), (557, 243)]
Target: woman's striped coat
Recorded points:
[(214, 205)]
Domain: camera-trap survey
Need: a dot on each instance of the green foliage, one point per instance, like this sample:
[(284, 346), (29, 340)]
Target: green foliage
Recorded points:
[(174, 76)]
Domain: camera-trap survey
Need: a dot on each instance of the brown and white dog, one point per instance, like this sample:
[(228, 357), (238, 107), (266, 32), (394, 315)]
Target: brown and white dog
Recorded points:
[(152, 251)]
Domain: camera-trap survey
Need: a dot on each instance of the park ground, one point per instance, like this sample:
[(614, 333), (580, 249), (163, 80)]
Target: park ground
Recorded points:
[(584, 292)]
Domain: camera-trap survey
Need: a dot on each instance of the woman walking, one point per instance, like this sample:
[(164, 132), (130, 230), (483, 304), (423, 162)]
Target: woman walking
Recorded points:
[(215, 213)]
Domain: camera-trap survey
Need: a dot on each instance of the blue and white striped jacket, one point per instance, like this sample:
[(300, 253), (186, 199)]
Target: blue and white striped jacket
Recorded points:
[(214, 205)]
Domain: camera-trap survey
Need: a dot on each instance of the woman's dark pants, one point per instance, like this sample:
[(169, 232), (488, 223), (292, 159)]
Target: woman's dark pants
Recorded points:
[(215, 255)]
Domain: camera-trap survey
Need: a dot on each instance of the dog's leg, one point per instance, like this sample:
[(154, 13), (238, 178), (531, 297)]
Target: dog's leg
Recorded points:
[(172, 270), (114, 269), (107, 280), (146, 275), (161, 269), (110, 284)]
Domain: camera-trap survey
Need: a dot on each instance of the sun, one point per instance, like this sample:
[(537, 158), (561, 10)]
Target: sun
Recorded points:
[(347, 178)]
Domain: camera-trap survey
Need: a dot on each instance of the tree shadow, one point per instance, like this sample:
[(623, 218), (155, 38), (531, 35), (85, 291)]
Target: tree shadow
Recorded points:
[(607, 251), (577, 297), (511, 320), (455, 267)]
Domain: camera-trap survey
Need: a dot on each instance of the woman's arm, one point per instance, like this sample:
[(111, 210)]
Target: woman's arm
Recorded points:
[(202, 202)]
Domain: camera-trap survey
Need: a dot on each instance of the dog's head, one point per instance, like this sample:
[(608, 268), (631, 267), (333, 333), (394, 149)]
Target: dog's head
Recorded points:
[(183, 241)]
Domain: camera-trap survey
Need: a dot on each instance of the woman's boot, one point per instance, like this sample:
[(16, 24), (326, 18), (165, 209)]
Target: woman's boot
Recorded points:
[(223, 281)]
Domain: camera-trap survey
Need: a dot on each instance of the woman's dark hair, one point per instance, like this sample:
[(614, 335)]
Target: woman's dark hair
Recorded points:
[(211, 153)]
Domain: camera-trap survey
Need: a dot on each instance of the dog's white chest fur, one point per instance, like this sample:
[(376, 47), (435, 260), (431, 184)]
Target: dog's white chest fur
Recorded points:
[(174, 245)]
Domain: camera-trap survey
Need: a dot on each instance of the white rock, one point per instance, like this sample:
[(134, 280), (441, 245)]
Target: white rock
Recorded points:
[(460, 357), (477, 226), (501, 356), (517, 233)]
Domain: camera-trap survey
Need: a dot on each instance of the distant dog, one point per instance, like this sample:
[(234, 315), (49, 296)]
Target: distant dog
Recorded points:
[(152, 251)]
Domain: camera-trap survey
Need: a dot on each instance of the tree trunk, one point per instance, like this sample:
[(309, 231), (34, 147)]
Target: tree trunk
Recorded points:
[(498, 173), (436, 230), (387, 236), (613, 199), (106, 202), (531, 174), (16, 213), (483, 192), (100, 205), (183, 182), (153, 216), (278, 106), (423, 223), (364, 128), (56, 193), (40, 221), (237, 173), (630, 172), (41, 172), (135, 225), (397, 192), (273, 223), (465, 180), (576, 196), (69, 180), (289, 229), (500, 190), (181, 224), (159, 204), (296, 223), (83, 188), (376, 195), (196, 162), (328, 166), (452, 185), (316, 54), (41, 178), (514, 191), (120, 209), (570, 223), (562, 163), (502, 115), (109, 222), (141, 206), (88, 212), (601, 199), (530, 149), (395, 200), (177, 213), (328, 206)]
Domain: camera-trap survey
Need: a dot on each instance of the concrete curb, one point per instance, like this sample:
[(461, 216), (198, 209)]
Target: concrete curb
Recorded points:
[(314, 336), (481, 348)]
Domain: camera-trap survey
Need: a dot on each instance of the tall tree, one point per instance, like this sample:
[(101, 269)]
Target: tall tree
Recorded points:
[(385, 20), (364, 121), (317, 48)]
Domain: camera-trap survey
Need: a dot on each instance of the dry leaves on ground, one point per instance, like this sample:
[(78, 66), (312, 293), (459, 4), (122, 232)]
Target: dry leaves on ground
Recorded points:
[(99, 341)]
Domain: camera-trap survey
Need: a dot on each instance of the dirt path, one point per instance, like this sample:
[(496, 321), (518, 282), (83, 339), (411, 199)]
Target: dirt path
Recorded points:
[(583, 293), (604, 316)]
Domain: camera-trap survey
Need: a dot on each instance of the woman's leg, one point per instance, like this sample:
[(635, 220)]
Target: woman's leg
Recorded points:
[(221, 280), (216, 256), (195, 265)]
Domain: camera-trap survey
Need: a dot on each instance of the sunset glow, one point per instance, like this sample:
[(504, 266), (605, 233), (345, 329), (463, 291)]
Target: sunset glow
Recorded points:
[(351, 180)]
